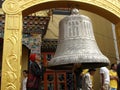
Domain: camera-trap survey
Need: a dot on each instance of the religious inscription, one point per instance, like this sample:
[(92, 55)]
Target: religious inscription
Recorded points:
[(72, 28)]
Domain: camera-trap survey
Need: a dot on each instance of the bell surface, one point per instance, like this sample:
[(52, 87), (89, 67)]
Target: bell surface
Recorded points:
[(77, 45)]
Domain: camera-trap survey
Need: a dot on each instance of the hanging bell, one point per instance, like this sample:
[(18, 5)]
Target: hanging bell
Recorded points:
[(77, 44)]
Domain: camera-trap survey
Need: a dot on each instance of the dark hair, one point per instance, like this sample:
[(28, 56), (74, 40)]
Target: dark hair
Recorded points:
[(112, 65), (91, 69), (26, 71)]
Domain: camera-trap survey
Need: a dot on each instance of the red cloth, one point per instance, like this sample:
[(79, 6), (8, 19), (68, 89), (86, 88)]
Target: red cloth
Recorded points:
[(32, 57)]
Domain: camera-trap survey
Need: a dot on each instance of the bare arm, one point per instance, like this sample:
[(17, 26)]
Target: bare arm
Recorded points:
[(102, 81), (113, 77)]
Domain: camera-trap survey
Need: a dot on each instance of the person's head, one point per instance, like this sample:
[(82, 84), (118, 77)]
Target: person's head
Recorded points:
[(114, 66), (92, 71), (38, 58), (25, 73), (35, 57)]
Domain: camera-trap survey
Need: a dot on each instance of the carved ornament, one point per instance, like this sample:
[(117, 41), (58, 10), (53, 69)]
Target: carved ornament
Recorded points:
[(10, 7)]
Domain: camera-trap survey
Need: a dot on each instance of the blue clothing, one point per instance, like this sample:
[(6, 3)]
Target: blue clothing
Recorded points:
[(113, 88)]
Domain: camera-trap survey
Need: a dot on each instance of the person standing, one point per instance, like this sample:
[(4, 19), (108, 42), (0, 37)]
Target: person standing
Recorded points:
[(87, 81), (34, 73), (78, 75), (118, 73), (105, 79), (24, 82), (113, 77)]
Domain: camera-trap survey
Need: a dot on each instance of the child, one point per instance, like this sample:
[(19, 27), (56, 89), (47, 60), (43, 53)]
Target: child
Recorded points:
[(24, 82)]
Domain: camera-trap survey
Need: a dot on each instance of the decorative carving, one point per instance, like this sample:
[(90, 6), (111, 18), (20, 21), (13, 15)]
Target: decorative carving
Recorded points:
[(11, 58), (29, 3), (11, 6), (11, 78), (11, 65), (12, 22), (11, 62), (110, 5)]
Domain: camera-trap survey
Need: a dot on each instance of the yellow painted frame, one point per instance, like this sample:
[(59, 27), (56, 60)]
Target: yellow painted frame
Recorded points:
[(16, 9)]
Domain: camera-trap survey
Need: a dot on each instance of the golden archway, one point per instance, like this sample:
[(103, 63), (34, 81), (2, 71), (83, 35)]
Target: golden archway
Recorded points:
[(15, 9)]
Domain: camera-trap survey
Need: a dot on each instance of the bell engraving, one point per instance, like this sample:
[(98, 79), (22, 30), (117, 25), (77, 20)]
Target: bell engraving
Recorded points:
[(77, 44)]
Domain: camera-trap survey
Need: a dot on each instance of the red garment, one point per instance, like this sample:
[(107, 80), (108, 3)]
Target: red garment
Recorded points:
[(34, 76)]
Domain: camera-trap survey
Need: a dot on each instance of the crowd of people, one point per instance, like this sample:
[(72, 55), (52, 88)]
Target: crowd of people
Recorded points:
[(109, 78), (84, 78)]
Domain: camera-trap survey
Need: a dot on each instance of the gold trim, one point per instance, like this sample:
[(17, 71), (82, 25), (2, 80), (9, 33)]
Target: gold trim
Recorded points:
[(11, 65), (11, 6)]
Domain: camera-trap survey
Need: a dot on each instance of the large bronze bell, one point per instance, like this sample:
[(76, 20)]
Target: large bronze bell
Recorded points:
[(77, 44)]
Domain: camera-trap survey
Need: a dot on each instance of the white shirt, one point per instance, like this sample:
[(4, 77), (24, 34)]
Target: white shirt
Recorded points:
[(86, 82), (105, 72), (24, 84)]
